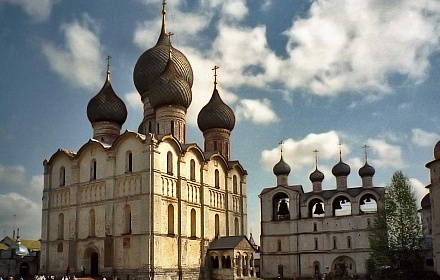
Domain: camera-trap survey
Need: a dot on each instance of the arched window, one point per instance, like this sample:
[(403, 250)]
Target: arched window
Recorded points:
[(316, 208), (217, 178), (149, 127), (316, 243), (217, 226), (315, 227), (237, 227), (193, 223), (127, 219), (192, 170), (62, 176), (61, 226), (170, 163), (348, 242), (92, 222), (93, 169), (278, 245), (170, 219), (280, 206), (129, 162), (341, 206), (334, 243), (172, 128), (367, 204), (234, 184)]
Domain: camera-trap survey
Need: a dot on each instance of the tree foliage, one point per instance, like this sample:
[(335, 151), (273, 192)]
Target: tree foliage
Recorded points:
[(396, 235)]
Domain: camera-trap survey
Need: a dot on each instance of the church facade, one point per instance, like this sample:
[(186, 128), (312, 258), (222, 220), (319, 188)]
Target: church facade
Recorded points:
[(147, 204), (323, 231)]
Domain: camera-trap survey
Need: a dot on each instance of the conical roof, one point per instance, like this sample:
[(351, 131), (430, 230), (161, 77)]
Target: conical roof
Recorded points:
[(106, 105), (216, 114)]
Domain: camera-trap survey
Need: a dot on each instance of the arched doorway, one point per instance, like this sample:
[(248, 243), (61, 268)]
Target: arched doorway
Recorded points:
[(343, 266), (24, 270), (94, 264)]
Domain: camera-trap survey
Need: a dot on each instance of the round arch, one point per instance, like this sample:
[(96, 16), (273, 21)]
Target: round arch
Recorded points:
[(343, 266)]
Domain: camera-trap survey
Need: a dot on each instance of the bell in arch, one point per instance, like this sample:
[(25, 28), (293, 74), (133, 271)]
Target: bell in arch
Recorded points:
[(318, 209), (338, 205), (283, 209)]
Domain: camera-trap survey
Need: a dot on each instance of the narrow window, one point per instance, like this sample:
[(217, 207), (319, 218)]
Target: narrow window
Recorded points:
[(279, 245), (316, 243), (237, 227), (334, 242), (170, 219), (157, 129), (234, 184), (149, 127), (93, 169), (193, 223), (129, 162), (217, 179), (315, 227), (348, 241), (61, 226), (217, 226), (127, 219), (170, 163), (62, 176), (368, 222), (172, 128), (192, 171), (215, 145), (92, 222)]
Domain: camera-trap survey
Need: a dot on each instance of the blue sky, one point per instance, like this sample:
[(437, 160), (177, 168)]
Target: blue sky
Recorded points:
[(310, 73)]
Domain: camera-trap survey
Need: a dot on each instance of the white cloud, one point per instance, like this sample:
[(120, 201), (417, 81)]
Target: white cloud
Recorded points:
[(385, 154), (39, 10), (258, 111), (338, 46), (298, 153), (419, 190), (27, 212), (80, 60), (423, 138), (133, 100)]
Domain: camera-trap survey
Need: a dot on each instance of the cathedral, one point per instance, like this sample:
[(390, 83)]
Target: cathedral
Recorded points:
[(148, 204), (324, 231)]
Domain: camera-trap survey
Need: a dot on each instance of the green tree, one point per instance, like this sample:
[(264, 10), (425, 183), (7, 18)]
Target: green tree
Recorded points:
[(396, 234)]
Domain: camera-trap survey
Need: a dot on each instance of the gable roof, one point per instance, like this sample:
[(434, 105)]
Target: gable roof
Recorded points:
[(229, 242)]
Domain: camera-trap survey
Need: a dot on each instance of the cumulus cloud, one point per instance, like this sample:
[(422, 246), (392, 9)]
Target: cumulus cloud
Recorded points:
[(38, 10), (298, 153), (419, 190), (355, 45), (133, 100), (80, 59), (20, 196), (258, 111), (423, 138), (385, 154)]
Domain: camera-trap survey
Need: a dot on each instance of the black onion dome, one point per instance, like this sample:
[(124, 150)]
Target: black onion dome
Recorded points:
[(341, 169), (437, 150), (170, 89), (107, 106), (316, 176), (152, 63), (366, 170), (216, 114), (281, 168)]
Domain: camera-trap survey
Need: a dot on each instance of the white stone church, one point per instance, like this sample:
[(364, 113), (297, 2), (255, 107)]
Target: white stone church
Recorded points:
[(319, 232), (148, 204)]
